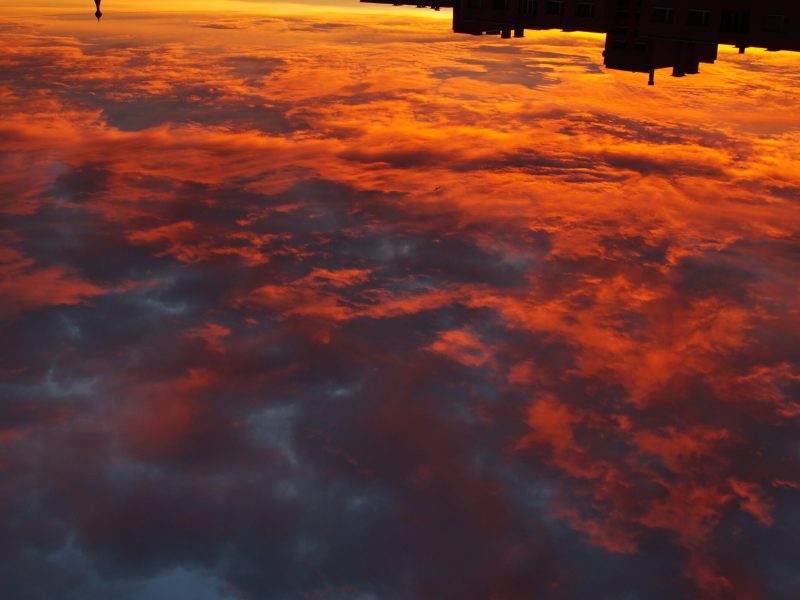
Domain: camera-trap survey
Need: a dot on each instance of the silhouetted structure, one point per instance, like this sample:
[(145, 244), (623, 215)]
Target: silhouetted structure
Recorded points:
[(433, 5), (641, 35), (97, 13)]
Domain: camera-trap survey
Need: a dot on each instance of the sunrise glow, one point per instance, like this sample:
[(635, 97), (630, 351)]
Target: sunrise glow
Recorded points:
[(322, 300)]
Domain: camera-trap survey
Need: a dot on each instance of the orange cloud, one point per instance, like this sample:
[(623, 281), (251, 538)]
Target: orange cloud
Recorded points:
[(25, 286), (627, 272)]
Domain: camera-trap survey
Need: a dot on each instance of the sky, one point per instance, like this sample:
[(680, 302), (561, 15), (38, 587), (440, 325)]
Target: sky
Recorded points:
[(323, 301)]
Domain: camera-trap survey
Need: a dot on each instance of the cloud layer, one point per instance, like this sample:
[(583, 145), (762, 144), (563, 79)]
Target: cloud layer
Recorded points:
[(325, 305)]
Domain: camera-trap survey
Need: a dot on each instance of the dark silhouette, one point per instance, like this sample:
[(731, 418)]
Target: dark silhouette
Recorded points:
[(641, 35), (98, 13)]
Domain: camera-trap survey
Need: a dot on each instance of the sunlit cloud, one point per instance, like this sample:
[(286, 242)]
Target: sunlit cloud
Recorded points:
[(336, 303)]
